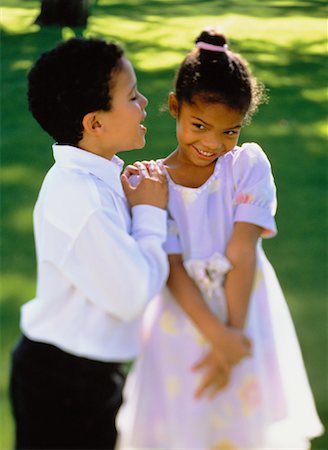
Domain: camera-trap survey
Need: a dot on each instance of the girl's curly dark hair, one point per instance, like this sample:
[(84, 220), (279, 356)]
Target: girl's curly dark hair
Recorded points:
[(218, 76)]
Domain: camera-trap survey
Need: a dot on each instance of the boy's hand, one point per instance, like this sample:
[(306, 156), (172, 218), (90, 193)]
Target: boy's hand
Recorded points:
[(131, 169), (152, 186), (134, 169), (231, 348)]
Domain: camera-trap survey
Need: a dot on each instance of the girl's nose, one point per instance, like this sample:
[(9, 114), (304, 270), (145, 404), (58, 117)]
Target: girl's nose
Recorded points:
[(213, 143)]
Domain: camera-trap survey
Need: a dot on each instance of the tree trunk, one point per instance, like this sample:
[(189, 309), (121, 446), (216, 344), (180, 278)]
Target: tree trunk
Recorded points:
[(71, 13)]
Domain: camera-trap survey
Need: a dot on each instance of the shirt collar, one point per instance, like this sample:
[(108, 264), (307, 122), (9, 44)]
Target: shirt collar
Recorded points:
[(104, 169)]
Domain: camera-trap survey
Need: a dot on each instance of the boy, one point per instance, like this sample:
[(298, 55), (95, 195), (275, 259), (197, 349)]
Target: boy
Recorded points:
[(98, 262)]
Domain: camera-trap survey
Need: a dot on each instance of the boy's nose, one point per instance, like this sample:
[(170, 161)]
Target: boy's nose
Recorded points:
[(144, 101)]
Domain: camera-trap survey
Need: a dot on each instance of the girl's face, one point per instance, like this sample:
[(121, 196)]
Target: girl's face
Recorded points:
[(205, 131), (122, 127)]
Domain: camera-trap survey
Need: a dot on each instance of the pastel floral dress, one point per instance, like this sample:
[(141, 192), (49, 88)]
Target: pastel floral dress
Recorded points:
[(268, 403)]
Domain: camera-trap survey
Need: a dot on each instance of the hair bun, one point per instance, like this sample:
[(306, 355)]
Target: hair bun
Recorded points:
[(212, 36)]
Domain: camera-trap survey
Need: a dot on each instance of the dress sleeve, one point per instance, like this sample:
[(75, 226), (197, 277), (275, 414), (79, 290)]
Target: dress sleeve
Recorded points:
[(254, 189)]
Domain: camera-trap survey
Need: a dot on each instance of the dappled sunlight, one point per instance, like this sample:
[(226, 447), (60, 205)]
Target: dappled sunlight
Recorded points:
[(23, 64), (20, 174), (174, 36), (312, 132), (152, 59), (285, 44), (193, 8), (278, 30), (16, 20), (17, 285), (316, 94), (21, 219)]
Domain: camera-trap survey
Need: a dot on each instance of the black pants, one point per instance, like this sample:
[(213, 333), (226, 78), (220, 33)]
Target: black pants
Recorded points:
[(61, 401)]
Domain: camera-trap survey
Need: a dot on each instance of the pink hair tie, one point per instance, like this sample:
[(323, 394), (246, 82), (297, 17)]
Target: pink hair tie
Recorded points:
[(211, 47)]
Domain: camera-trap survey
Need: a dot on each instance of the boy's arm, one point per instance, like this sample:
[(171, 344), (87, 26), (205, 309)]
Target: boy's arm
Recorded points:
[(228, 346), (118, 271)]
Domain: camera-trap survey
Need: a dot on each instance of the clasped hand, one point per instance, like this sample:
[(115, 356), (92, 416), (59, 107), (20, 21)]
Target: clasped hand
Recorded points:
[(218, 362), (151, 188)]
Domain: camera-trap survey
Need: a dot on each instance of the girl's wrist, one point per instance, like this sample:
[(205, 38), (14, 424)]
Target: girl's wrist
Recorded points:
[(215, 332)]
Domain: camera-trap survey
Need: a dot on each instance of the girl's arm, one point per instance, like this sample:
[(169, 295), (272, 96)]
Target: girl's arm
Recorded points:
[(228, 346), (241, 252)]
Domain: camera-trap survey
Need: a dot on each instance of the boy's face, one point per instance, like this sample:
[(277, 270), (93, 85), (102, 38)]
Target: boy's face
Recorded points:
[(122, 128)]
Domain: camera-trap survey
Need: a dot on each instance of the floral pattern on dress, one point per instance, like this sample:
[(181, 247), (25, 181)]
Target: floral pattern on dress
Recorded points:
[(168, 323), (225, 444), (215, 185), (243, 197), (172, 385), (258, 278), (189, 195), (216, 421), (249, 394), (253, 157), (190, 329)]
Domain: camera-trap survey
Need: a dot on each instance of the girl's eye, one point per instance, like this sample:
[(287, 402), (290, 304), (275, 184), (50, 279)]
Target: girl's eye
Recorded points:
[(231, 132), (199, 126)]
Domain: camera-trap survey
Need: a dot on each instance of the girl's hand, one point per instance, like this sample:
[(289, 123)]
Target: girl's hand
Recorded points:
[(231, 348), (216, 374), (151, 189)]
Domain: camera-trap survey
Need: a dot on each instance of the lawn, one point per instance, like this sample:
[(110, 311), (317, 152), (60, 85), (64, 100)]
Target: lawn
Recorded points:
[(286, 44)]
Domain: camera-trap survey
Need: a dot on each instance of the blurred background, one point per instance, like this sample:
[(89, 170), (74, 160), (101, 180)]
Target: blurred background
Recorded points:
[(285, 42)]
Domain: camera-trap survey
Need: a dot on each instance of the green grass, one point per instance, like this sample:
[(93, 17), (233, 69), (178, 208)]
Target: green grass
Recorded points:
[(285, 42)]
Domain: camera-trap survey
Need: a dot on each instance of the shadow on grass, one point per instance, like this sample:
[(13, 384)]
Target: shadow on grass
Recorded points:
[(141, 9)]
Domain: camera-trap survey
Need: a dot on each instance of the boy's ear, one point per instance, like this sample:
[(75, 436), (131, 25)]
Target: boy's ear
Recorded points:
[(91, 123), (173, 104)]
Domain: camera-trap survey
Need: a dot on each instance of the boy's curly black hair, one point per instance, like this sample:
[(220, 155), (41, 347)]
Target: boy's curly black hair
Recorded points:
[(70, 81)]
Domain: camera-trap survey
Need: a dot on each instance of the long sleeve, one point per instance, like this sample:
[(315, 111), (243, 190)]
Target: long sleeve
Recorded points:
[(119, 272)]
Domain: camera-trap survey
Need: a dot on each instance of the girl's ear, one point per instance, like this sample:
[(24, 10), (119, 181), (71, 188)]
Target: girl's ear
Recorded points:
[(173, 104), (91, 123)]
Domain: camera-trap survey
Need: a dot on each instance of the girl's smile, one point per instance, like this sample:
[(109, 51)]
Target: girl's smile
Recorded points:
[(203, 154)]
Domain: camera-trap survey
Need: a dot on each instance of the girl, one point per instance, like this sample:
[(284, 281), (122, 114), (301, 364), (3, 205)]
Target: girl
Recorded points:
[(222, 202)]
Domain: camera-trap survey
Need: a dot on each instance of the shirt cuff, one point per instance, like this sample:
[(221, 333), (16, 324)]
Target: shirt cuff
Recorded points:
[(149, 220), (172, 245), (257, 216)]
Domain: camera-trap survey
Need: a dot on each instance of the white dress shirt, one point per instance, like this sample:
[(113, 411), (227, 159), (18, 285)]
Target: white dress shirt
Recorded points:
[(98, 264)]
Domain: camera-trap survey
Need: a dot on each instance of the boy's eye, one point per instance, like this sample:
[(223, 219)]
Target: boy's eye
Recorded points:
[(134, 95), (231, 132)]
